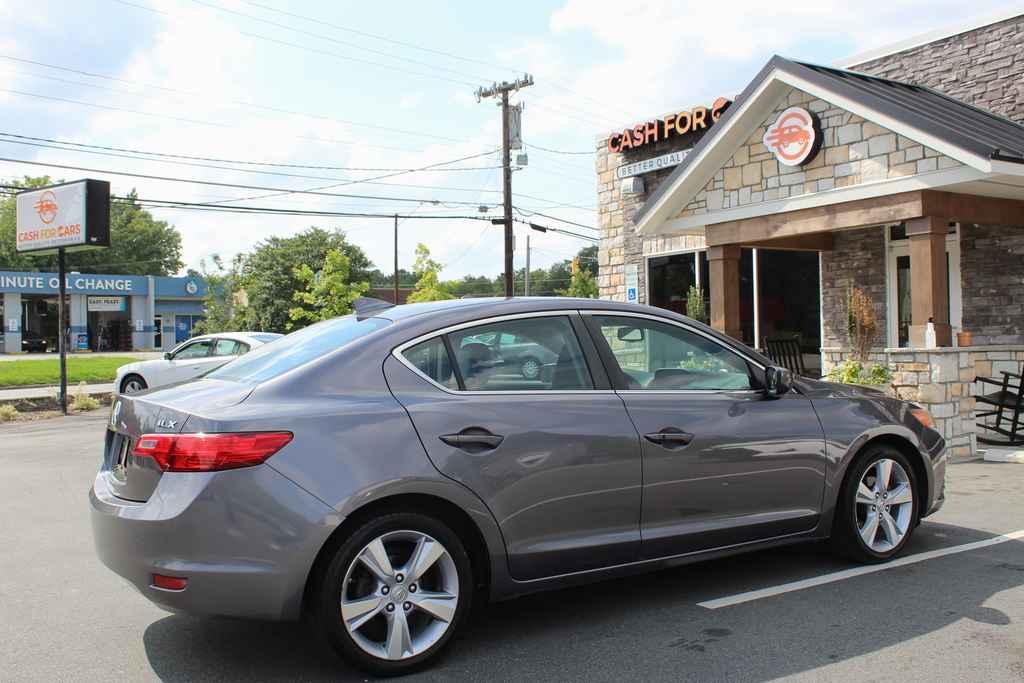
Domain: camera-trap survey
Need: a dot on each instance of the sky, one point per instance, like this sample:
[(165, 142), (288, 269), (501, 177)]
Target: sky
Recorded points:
[(300, 95)]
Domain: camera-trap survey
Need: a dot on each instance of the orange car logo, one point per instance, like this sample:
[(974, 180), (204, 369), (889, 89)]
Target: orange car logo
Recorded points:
[(46, 207), (791, 138)]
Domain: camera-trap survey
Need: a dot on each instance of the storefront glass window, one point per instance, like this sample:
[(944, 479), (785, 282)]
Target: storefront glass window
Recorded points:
[(670, 280), (789, 297)]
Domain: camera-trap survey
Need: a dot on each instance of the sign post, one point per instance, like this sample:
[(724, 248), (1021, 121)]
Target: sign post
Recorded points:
[(55, 219)]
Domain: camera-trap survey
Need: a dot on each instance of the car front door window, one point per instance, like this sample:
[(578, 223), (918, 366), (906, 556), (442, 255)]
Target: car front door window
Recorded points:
[(658, 356), (199, 349)]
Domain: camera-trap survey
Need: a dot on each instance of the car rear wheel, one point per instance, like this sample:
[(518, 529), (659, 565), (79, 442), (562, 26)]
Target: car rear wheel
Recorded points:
[(133, 384), (878, 508), (395, 593)]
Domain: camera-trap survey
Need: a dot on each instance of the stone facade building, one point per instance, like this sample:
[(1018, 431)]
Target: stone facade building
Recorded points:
[(897, 197)]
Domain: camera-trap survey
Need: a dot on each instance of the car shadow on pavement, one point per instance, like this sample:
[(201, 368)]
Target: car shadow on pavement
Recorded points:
[(650, 627)]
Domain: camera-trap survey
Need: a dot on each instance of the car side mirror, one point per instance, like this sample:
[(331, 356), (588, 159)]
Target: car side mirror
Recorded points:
[(630, 334), (777, 381), (167, 355)]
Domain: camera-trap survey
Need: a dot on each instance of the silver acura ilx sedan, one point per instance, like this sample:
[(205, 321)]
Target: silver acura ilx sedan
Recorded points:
[(381, 472)]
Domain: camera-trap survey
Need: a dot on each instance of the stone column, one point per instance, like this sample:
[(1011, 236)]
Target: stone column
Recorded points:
[(929, 286), (12, 312), (724, 283)]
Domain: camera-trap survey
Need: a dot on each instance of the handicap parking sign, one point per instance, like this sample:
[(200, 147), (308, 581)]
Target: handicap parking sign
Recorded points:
[(631, 294)]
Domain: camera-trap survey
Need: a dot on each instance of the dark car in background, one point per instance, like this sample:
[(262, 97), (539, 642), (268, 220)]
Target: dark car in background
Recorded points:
[(379, 473), (32, 342)]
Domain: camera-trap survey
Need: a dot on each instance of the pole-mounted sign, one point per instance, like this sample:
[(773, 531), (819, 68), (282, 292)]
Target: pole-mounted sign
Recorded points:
[(57, 218), (67, 216)]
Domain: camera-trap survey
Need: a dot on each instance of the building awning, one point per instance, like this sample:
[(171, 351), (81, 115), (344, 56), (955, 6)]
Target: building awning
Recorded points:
[(988, 149)]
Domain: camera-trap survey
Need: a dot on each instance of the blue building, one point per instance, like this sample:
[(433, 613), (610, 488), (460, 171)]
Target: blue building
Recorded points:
[(106, 312)]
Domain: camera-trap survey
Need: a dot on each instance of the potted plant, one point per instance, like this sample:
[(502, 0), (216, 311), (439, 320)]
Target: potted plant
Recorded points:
[(695, 305), (964, 338)]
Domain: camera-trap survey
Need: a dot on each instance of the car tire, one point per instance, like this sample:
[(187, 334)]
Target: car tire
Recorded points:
[(873, 523), (530, 368), (132, 384), (349, 591)]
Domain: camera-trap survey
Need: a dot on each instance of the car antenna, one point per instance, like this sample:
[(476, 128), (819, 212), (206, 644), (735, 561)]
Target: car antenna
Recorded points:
[(366, 306)]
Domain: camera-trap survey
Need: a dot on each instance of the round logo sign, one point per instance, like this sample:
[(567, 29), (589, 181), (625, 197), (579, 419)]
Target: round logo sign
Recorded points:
[(793, 137), (191, 287), (46, 207)]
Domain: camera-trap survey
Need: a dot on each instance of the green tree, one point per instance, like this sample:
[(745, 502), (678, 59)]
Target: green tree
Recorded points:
[(224, 302), (328, 293), (428, 286), (139, 244), (581, 285), (269, 273)]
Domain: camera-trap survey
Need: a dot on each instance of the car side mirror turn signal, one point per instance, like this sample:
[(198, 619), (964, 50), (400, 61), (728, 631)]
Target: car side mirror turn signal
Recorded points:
[(777, 381)]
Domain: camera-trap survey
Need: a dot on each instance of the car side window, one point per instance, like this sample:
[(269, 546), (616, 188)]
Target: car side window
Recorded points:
[(431, 358), (225, 347), (199, 349), (556, 361), (241, 349), (662, 357)]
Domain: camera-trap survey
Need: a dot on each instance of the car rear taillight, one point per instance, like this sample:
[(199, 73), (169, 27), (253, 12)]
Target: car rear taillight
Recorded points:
[(210, 452)]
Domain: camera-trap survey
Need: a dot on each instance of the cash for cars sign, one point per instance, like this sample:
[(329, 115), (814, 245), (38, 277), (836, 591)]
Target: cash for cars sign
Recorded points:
[(72, 216)]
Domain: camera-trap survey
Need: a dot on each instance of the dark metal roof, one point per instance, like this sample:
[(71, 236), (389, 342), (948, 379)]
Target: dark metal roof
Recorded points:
[(961, 125)]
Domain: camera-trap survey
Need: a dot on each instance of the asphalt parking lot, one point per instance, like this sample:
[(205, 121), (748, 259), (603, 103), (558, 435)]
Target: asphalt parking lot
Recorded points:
[(957, 615)]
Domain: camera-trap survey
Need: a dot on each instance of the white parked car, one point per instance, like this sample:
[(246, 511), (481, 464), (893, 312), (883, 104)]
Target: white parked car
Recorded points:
[(189, 360)]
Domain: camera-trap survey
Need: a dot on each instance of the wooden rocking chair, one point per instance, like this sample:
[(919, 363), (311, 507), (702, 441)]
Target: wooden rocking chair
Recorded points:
[(1006, 404), (786, 352)]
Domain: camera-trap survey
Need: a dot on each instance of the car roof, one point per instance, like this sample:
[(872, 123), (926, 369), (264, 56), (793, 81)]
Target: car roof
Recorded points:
[(236, 336)]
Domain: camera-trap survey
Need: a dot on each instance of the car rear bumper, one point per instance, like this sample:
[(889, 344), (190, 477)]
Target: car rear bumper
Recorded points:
[(245, 539)]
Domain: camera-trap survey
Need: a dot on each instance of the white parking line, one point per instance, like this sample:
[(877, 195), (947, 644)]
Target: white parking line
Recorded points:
[(750, 596)]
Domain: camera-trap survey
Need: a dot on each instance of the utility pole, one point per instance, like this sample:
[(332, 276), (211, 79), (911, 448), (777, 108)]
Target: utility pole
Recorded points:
[(396, 259), (527, 292), (506, 160)]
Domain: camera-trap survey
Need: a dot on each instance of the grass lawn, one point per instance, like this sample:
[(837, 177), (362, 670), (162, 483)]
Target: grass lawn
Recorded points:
[(14, 373)]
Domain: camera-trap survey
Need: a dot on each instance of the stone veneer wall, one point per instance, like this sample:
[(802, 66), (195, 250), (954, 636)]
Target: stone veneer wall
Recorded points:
[(853, 151), (991, 259), (856, 260), (942, 380), (983, 67)]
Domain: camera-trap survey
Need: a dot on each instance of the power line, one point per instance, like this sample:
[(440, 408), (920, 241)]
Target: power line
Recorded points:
[(207, 97), (258, 163), (554, 218), (342, 181), (280, 190), (556, 151), (199, 122)]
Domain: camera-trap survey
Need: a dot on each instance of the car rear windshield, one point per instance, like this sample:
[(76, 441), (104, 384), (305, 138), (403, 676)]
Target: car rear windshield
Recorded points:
[(298, 348)]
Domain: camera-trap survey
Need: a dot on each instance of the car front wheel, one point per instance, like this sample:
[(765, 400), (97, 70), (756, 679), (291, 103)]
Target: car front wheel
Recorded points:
[(878, 509), (395, 593), (133, 384), (530, 368)]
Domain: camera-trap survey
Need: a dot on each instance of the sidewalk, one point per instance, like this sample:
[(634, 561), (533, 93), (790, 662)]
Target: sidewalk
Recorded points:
[(44, 392), (140, 355)]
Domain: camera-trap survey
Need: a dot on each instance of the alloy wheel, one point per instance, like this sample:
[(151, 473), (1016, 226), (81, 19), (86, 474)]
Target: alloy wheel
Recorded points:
[(400, 595), (884, 505), (530, 368), (133, 386)]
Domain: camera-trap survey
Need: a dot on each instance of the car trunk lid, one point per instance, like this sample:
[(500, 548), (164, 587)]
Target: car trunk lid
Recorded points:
[(164, 411)]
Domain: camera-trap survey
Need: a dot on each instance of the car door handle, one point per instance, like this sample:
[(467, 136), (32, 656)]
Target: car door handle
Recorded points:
[(473, 439), (670, 437)]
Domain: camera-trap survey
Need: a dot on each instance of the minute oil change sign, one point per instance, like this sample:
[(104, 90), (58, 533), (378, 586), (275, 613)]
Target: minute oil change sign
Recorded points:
[(70, 215)]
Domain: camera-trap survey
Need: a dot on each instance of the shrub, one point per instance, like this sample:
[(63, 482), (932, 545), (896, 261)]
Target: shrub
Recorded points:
[(854, 372), (695, 305), (8, 412), (861, 324), (83, 401)]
